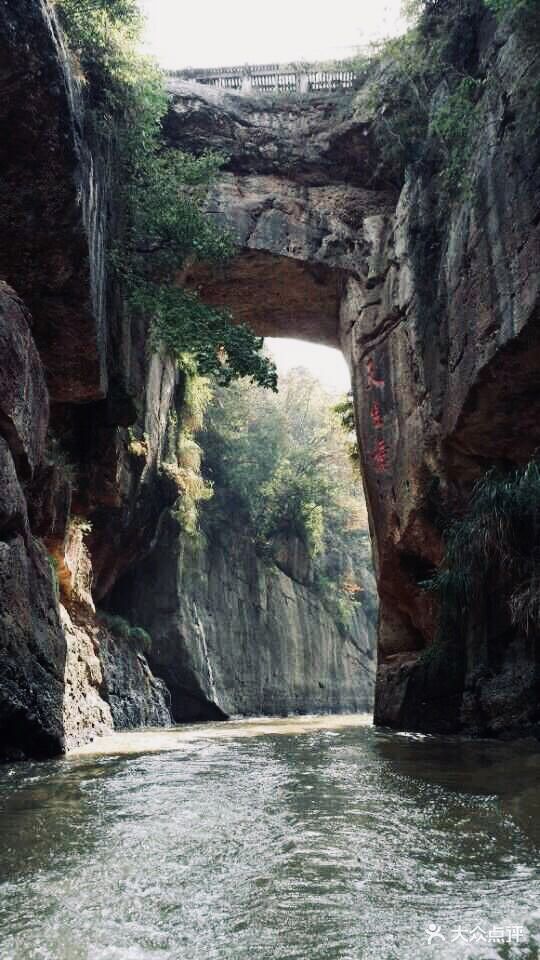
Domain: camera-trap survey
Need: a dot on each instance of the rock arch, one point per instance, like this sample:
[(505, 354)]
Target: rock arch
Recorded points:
[(328, 252)]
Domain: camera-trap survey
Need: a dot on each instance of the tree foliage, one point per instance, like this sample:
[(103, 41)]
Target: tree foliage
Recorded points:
[(453, 124), (120, 627), (503, 7), (524, 14), (437, 55), (160, 197), (428, 85), (280, 468), (182, 455), (345, 412), (493, 549)]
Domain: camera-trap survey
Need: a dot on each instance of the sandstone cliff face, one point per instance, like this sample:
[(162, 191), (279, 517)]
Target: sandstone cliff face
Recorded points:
[(235, 635), (84, 420), (52, 203), (458, 389), (64, 678), (73, 374), (439, 323), (33, 647)]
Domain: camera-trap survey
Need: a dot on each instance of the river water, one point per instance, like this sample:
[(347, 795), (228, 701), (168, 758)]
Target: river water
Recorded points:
[(310, 839)]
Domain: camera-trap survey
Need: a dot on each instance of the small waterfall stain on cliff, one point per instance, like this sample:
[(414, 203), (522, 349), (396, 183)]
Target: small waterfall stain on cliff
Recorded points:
[(200, 633)]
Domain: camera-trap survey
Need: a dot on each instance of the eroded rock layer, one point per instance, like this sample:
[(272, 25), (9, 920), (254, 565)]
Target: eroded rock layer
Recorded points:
[(437, 315), (438, 318), (233, 634), (86, 414), (76, 506)]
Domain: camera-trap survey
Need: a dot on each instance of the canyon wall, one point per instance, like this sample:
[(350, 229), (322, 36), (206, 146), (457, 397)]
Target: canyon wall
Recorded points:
[(436, 314), (437, 317), (76, 505), (85, 418), (234, 634)]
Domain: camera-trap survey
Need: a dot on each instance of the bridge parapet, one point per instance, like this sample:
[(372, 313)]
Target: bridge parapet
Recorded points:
[(273, 78)]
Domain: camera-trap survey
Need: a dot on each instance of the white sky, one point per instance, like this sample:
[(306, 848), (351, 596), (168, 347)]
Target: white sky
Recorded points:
[(219, 34), (324, 363)]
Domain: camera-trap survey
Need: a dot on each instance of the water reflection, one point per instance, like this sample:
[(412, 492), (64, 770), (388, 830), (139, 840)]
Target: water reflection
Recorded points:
[(276, 841), (509, 771)]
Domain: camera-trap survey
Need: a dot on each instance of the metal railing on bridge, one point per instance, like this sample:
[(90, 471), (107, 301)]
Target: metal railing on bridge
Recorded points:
[(273, 78)]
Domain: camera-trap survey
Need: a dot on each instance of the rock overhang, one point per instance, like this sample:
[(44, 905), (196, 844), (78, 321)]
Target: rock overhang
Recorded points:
[(297, 197)]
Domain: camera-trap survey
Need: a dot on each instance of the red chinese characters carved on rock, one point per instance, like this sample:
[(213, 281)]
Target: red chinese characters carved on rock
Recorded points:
[(379, 453), (379, 456), (376, 415)]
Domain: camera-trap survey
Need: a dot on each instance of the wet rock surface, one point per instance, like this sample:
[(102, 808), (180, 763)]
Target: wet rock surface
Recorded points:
[(53, 197), (85, 416), (73, 376), (32, 647)]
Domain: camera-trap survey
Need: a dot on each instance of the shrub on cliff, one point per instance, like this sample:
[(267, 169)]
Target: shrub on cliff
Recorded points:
[(492, 551), (346, 415), (503, 7), (429, 84), (524, 15), (141, 638), (119, 627), (425, 94), (161, 221), (182, 455)]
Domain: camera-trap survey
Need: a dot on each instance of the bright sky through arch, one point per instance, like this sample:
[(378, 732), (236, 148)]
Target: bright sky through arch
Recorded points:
[(219, 34), (324, 363)]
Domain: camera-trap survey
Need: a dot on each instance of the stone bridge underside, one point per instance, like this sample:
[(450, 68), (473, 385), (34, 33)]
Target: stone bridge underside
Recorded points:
[(298, 199), (326, 254)]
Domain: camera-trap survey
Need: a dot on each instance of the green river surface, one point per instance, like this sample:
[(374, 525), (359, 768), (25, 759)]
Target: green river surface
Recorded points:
[(303, 839)]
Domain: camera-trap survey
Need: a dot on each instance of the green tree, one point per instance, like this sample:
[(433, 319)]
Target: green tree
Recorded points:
[(492, 550), (345, 412), (426, 88), (161, 221), (281, 470)]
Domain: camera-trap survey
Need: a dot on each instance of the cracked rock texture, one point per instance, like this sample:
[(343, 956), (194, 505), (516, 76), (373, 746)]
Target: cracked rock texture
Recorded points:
[(437, 317), (85, 419), (235, 635), (439, 322), (73, 374)]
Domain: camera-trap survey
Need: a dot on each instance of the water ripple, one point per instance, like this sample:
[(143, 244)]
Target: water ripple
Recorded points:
[(279, 844)]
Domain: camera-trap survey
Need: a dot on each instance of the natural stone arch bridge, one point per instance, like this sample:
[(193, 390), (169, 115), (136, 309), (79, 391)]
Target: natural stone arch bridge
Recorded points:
[(442, 349), (439, 322), (300, 194)]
